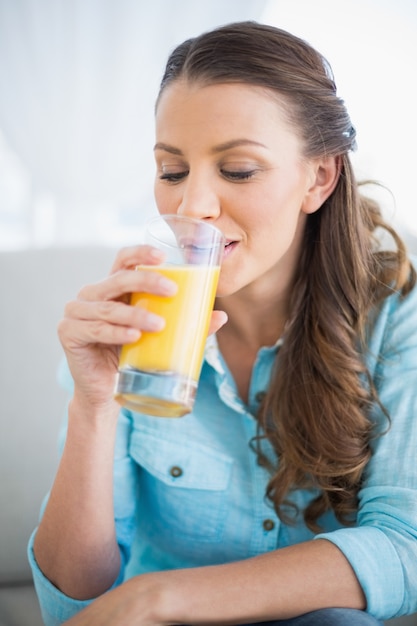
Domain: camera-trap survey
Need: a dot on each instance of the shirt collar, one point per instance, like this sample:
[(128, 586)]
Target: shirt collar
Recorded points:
[(212, 352)]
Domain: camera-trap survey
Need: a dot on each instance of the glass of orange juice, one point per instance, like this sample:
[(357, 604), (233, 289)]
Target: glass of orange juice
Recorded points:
[(158, 374)]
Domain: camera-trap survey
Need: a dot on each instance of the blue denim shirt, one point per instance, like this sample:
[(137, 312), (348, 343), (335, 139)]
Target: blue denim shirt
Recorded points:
[(189, 491)]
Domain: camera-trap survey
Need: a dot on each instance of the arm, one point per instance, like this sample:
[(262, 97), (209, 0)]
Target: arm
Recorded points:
[(75, 545), (275, 585), (55, 605), (383, 548)]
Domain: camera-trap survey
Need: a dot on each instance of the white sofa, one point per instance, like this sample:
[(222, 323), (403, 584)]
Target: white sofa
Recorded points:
[(35, 286)]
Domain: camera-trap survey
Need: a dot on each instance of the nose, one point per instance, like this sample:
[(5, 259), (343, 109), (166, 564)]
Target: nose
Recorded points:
[(200, 199)]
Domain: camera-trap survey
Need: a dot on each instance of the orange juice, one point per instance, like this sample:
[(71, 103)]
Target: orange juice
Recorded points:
[(178, 349)]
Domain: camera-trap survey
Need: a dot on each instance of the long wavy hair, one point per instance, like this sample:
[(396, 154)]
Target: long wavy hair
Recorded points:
[(317, 411)]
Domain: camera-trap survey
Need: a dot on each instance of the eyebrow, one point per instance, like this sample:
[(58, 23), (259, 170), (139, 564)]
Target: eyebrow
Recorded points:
[(167, 148), (228, 145), (236, 143)]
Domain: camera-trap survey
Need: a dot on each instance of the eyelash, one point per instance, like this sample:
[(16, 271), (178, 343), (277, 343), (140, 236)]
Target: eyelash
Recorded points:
[(239, 175), (173, 178), (233, 176)]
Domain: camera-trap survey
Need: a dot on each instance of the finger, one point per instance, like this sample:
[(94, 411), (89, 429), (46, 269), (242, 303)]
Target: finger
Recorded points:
[(114, 313), (130, 257), (218, 319), (75, 334), (126, 282)]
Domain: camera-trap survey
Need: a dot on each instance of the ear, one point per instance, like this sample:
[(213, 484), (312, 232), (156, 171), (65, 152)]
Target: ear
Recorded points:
[(325, 173)]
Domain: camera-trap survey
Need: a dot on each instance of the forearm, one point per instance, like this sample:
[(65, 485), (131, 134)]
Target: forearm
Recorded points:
[(276, 585), (75, 545)]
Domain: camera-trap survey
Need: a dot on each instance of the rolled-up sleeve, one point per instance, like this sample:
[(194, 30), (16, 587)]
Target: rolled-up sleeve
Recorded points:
[(55, 606), (382, 547)]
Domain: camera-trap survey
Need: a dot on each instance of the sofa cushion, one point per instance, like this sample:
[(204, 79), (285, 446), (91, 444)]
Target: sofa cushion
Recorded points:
[(35, 286)]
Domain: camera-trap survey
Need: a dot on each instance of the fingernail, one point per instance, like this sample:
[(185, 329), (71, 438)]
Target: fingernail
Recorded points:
[(168, 285), (154, 322), (133, 333)]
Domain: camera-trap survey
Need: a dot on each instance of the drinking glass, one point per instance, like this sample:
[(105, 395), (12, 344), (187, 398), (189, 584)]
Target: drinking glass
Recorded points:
[(158, 374)]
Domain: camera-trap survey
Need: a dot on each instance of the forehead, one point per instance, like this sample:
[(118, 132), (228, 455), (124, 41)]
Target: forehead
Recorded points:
[(184, 105)]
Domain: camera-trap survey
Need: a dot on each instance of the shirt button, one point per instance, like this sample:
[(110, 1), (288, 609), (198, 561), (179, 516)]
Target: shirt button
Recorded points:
[(260, 396), (268, 524), (175, 471)]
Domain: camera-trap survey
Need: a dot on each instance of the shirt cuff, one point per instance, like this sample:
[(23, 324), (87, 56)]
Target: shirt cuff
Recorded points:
[(376, 565)]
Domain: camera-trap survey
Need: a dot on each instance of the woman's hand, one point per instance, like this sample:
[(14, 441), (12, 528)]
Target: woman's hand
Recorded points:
[(136, 602), (100, 320)]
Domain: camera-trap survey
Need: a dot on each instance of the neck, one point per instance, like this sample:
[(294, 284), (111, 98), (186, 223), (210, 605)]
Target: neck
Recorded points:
[(254, 318), (253, 322)]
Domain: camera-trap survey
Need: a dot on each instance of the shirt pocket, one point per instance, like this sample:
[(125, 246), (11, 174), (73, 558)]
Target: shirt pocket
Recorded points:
[(183, 486)]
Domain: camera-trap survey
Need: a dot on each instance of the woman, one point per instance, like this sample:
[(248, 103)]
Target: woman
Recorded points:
[(294, 492)]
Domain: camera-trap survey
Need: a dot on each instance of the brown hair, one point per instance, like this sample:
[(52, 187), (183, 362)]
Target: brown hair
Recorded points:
[(317, 410)]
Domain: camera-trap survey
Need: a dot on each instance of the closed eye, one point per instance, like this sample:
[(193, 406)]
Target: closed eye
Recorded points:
[(238, 175), (173, 177)]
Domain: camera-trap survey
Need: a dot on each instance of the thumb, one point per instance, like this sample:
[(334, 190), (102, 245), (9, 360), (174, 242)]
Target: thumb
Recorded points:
[(218, 319)]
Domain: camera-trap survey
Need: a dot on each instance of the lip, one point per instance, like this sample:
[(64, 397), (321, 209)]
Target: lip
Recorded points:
[(230, 245)]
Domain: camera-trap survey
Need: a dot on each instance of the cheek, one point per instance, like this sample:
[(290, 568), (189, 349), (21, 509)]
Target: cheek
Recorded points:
[(167, 198), (273, 226), (280, 208)]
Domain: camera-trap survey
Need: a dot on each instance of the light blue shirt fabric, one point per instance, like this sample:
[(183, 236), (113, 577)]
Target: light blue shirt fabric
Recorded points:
[(189, 491)]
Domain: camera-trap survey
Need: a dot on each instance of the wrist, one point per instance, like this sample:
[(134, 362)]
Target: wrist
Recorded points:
[(92, 425), (171, 601), (82, 407), (153, 597)]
